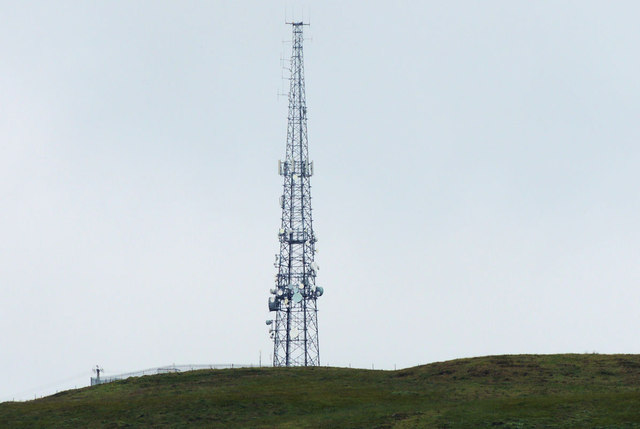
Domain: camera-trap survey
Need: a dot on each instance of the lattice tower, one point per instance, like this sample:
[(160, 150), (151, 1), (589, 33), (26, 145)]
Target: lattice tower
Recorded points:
[(294, 298)]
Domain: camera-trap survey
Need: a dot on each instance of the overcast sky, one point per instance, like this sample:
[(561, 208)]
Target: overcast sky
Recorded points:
[(475, 188)]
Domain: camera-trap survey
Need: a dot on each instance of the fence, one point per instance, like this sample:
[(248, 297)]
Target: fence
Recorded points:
[(166, 370)]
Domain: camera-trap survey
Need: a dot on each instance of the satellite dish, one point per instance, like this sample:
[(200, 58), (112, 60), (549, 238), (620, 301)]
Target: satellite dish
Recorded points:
[(297, 297), (273, 291), (286, 301), (319, 291), (300, 285), (269, 322), (273, 304), (313, 288), (280, 292)]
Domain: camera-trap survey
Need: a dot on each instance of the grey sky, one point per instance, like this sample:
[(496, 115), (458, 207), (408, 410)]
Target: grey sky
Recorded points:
[(475, 187)]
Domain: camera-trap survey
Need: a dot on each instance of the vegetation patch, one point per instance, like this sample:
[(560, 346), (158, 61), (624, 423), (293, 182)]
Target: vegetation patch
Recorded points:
[(519, 391)]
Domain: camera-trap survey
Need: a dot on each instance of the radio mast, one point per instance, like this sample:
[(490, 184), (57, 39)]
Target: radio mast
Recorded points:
[(294, 298)]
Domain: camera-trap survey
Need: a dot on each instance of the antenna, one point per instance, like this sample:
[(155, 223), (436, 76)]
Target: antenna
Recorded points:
[(283, 68), (297, 297), (294, 329)]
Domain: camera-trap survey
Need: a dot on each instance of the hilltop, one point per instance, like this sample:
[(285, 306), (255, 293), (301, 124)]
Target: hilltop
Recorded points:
[(513, 391)]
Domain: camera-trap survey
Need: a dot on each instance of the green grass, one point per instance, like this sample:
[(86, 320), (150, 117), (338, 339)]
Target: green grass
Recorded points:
[(520, 391)]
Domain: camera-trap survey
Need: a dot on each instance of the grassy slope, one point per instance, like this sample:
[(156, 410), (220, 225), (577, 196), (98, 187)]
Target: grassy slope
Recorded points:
[(518, 391)]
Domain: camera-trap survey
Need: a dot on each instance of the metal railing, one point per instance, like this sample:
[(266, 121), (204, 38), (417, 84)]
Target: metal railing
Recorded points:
[(166, 370)]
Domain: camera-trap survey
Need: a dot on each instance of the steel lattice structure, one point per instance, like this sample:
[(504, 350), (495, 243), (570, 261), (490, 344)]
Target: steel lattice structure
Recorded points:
[(294, 298)]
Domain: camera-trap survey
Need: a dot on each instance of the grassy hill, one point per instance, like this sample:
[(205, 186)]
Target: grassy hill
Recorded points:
[(520, 391)]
